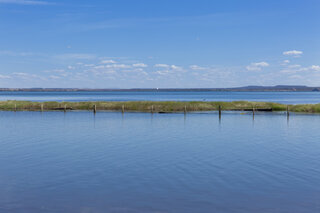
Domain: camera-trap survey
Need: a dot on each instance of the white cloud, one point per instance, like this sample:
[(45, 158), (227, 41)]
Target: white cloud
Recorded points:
[(315, 67), (118, 66), (169, 67), (25, 2), (140, 65), (4, 77), (297, 68), (289, 71), (174, 67), (71, 67), (196, 67), (286, 61), (89, 65), (28, 76), (261, 64), (162, 72), (162, 65), (294, 53), (257, 66), (20, 74), (294, 66), (108, 62)]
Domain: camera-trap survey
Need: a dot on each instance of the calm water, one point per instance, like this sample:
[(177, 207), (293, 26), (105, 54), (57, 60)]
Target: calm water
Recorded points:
[(280, 97), (77, 162)]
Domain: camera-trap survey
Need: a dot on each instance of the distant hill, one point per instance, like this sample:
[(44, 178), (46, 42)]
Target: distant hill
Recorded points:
[(278, 88)]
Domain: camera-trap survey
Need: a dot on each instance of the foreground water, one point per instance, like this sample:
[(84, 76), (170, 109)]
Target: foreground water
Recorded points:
[(136, 162), (280, 97)]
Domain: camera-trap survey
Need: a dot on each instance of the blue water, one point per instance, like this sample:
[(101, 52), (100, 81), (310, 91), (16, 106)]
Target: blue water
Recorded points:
[(280, 97), (138, 162)]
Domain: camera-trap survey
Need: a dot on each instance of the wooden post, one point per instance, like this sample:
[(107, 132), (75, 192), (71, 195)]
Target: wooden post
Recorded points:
[(122, 108), (253, 110), (219, 111), (185, 109), (41, 107), (94, 108), (65, 108), (288, 111), (152, 109), (15, 107)]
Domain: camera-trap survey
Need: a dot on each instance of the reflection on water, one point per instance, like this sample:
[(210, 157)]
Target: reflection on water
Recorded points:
[(140, 162)]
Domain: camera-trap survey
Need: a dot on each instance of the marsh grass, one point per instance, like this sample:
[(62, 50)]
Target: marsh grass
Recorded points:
[(157, 106)]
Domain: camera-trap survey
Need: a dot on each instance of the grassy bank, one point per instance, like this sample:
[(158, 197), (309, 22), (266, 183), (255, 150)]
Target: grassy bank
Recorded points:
[(155, 106)]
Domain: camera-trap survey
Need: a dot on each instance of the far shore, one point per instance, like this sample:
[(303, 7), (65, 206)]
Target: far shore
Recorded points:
[(277, 88), (157, 106)]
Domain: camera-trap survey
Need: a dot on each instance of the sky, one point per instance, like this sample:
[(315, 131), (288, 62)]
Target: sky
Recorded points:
[(159, 43)]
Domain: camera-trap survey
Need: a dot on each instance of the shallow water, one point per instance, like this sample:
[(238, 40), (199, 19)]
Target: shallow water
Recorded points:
[(280, 97), (139, 162)]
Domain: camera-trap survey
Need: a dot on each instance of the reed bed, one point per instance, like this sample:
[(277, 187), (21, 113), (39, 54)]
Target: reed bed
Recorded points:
[(156, 106)]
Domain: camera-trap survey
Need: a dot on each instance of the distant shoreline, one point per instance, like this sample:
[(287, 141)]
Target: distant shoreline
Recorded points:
[(157, 106), (279, 88)]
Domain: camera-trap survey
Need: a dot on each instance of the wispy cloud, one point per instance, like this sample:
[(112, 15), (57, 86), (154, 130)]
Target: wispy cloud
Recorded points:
[(83, 70), (257, 66), (162, 72), (295, 53), (54, 77), (162, 65), (167, 66), (297, 68), (76, 56), (4, 76), (28, 76), (108, 62), (213, 19), (118, 66), (55, 71), (25, 2), (12, 53), (174, 67), (197, 67), (315, 67), (142, 65)]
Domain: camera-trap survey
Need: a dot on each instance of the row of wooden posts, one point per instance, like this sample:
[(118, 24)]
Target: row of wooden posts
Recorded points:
[(185, 110), (152, 109)]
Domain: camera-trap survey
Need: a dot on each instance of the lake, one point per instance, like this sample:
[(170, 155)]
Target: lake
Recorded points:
[(138, 162), (280, 97)]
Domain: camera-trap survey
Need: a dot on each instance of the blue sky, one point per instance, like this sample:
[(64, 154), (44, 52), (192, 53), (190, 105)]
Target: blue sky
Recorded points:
[(159, 43)]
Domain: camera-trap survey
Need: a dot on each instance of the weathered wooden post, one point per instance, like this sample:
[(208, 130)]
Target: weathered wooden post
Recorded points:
[(253, 110), (152, 109), (122, 108), (185, 109), (41, 107), (220, 111), (94, 108), (65, 108), (15, 107), (288, 113)]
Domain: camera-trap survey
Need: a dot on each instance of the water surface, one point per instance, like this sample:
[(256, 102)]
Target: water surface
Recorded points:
[(138, 162), (280, 97)]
